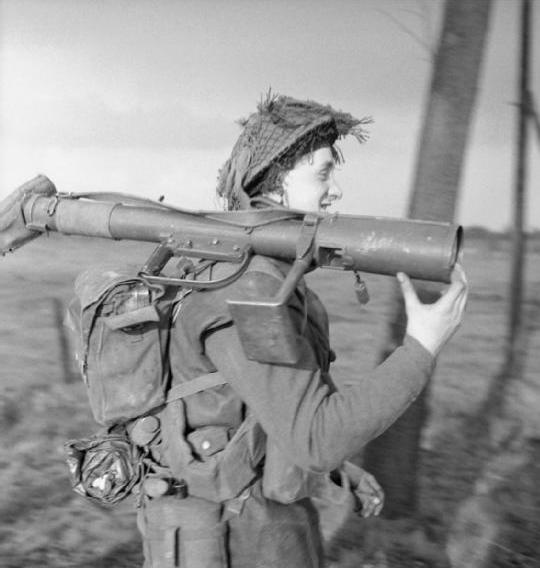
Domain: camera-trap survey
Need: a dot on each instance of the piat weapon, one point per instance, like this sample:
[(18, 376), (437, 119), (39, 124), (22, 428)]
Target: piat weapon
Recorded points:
[(422, 249)]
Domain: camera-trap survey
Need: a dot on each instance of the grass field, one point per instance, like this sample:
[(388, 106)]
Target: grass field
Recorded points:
[(474, 500)]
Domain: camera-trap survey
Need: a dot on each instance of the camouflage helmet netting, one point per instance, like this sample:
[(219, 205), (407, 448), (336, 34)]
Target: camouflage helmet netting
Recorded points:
[(280, 125)]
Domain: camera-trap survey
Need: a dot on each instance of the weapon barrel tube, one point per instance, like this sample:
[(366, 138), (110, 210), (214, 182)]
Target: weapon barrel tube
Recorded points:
[(380, 245), (422, 249), (118, 221)]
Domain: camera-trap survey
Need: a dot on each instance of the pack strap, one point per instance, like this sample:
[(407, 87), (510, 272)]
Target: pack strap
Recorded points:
[(194, 386)]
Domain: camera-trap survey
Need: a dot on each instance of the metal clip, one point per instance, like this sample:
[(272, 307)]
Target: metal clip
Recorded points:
[(360, 289), (52, 206)]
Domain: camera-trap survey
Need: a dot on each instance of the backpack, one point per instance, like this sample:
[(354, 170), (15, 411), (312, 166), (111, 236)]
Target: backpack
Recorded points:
[(121, 328)]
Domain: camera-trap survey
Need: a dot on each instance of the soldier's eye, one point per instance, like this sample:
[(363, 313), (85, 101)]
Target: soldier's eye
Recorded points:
[(324, 174)]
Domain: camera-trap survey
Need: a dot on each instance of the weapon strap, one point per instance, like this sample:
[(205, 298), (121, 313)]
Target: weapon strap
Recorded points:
[(304, 246), (194, 386)]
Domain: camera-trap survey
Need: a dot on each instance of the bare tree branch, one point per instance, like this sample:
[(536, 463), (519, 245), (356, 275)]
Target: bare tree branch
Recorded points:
[(533, 113), (417, 38)]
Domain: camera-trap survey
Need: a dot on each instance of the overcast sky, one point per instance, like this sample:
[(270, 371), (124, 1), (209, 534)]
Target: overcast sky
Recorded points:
[(142, 95)]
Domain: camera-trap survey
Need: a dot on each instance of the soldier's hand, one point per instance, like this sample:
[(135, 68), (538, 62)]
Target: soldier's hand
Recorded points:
[(368, 494), (434, 324)]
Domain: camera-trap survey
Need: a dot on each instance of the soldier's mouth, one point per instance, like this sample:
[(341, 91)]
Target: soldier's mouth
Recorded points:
[(325, 203)]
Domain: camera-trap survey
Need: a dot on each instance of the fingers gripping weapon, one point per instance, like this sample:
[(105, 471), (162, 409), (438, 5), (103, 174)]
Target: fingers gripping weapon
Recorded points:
[(425, 250)]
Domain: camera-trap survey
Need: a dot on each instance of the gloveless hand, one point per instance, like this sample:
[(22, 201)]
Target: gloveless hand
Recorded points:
[(434, 324), (367, 493)]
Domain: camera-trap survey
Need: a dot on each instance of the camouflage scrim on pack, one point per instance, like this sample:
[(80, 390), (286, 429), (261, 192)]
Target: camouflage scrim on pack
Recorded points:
[(104, 468)]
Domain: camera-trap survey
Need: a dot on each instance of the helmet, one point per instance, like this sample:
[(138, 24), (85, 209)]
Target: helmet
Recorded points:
[(280, 131)]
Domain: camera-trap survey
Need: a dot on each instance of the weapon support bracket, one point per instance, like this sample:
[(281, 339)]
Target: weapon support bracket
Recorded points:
[(266, 330), (211, 251)]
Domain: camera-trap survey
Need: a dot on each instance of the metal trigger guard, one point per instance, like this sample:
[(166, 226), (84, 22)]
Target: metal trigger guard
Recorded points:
[(163, 253)]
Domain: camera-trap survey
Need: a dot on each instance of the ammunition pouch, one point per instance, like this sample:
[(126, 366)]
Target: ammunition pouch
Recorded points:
[(183, 532), (213, 467)]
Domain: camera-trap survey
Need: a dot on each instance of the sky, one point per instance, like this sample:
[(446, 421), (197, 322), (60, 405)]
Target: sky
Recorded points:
[(142, 96)]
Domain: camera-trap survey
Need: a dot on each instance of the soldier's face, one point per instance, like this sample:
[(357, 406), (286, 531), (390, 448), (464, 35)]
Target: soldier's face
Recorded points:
[(310, 184)]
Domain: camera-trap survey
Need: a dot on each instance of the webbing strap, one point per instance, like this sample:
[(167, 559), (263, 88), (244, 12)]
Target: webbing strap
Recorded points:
[(304, 246), (195, 385)]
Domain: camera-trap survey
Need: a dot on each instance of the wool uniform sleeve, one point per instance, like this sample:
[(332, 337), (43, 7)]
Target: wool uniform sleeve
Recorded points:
[(315, 427)]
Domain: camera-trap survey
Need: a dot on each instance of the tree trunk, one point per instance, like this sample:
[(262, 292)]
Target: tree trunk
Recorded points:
[(514, 339), (393, 457)]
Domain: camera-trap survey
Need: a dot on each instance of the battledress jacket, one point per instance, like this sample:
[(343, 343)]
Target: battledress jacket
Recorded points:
[(314, 425)]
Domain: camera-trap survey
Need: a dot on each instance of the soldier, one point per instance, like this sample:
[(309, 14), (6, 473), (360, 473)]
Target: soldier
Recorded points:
[(248, 443)]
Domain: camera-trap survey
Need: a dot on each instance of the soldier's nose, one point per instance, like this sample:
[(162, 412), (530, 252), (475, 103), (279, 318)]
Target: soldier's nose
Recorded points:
[(334, 191)]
